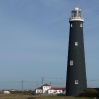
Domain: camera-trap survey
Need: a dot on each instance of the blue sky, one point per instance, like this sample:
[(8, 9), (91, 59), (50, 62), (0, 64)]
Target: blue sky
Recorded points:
[(34, 38)]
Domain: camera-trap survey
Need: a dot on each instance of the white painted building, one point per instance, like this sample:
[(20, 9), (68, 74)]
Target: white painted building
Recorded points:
[(6, 92), (47, 89)]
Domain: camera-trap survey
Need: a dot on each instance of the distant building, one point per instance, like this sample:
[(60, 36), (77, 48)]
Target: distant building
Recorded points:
[(6, 92), (12, 90), (47, 89)]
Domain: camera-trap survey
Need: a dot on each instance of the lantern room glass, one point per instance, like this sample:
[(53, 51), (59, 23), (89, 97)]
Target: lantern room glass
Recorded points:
[(76, 13)]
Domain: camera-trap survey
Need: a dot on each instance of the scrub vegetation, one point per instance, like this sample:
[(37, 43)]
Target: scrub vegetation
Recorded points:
[(19, 96)]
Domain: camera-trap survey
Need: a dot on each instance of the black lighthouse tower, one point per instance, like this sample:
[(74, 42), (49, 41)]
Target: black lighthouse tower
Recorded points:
[(76, 70)]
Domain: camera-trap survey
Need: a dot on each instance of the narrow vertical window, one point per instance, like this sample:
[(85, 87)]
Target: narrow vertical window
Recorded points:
[(80, 24), (71, 25), (76, 43), (71, 62), (76, 81)]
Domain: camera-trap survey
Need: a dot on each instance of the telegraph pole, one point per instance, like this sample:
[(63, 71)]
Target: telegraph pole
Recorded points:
[(22, 87), (37, 84), (50, 83), (42, 84)]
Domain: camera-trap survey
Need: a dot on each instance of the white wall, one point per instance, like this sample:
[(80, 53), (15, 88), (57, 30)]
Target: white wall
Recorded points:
[(50, 91), (6, 92), (38, 91), (46, 88), (55, 91)]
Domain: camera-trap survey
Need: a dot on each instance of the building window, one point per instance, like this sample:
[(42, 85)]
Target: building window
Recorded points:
[(71, 25), (76, 81), (80, 24), (71, 62), (76, 43)]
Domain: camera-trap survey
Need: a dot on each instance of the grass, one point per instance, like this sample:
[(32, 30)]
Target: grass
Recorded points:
[(13, 96), (19, 96)]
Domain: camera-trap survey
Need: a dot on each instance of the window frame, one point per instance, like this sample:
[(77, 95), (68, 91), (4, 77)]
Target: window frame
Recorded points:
[(71, 25), (81, 25), (76, 43), (71, 62), (76, 81)]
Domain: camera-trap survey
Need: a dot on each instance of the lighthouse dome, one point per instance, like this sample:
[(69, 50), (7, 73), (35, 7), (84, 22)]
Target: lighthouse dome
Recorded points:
[(76, 8)]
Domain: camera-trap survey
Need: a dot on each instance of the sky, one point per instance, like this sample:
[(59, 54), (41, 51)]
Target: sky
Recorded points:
[(34, 37)]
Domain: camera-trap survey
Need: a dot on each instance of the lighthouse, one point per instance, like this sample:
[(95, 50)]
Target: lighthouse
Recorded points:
[(76, 81)]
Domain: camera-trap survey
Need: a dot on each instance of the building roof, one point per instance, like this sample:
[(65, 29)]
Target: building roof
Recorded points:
[(39, 88), (46, 85), (55, 88), (43, 85)]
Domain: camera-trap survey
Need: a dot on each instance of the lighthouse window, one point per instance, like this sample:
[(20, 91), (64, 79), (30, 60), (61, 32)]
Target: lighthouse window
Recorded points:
[(71, 62), (76, 43), (71, 25), (76, 81), (80, 24)]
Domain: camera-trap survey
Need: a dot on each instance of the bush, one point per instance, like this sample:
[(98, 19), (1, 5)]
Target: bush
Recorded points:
[(20, 92), (91, 90), (31, 98)]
